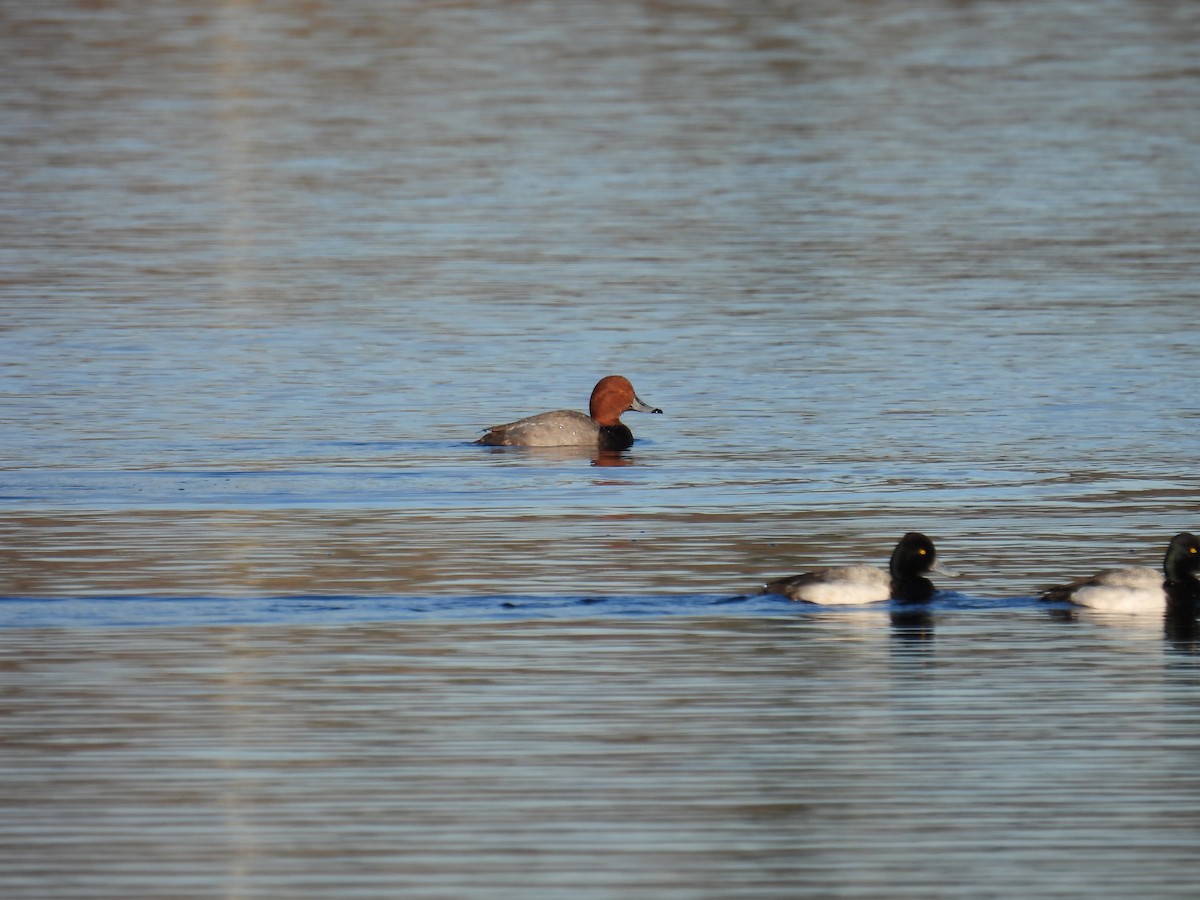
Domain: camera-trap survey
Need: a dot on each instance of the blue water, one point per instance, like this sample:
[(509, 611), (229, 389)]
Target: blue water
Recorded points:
[(270, 624), (129, 611)]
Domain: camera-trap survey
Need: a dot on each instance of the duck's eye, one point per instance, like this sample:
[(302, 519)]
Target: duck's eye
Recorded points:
[(922, 551), (1191, 549)]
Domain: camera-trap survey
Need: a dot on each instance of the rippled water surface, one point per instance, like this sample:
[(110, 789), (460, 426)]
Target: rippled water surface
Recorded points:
[(274, 627)]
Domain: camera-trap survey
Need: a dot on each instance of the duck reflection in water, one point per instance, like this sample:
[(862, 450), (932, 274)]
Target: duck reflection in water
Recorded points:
[(1182, 630), (601, 459), (1172, 592), (912, 623)]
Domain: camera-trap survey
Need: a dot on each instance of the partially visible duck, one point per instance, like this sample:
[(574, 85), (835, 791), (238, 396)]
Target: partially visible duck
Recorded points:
[(905, 579), (1140, 588), (601, 428)]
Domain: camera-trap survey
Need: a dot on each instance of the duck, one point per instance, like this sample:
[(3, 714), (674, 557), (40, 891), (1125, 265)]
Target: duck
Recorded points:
[(1140, 589), (601, 428), (904, 579)]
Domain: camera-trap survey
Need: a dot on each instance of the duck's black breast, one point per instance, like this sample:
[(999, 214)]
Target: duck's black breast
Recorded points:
[(615, 437), (1183, 596), (912, 589)]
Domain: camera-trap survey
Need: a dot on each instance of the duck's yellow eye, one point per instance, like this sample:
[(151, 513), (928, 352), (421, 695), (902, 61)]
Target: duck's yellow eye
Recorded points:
[(1190, 550), (922, 551)]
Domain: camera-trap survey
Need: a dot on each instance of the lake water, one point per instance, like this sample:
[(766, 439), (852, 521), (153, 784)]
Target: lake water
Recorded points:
[(271, 626)]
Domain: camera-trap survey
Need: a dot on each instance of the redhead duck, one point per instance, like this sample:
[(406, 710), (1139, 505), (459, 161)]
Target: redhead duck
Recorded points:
[(601, 428), (913, 557), (1141, 588)]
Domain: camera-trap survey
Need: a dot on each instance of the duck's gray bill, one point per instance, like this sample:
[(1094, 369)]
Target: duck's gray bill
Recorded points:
[(638, 405)]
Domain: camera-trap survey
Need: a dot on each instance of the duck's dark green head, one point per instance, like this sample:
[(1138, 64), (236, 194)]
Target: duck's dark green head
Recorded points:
[(914, 555), (1183, 558), (912, 559)]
